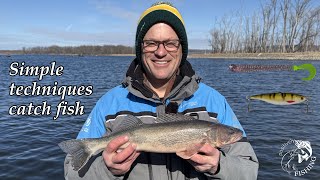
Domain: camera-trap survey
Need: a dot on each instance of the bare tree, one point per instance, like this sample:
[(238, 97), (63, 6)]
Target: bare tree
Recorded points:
[(267, 21), (310, 31), (215, 41), (273, 25), (295, 21), (255, 31), (285, 4), (247, 47)]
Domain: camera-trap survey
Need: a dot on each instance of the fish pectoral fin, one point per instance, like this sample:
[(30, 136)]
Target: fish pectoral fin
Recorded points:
[(191, 150)]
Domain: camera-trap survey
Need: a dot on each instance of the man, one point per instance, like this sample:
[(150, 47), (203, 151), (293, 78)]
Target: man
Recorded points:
[(161, 80)]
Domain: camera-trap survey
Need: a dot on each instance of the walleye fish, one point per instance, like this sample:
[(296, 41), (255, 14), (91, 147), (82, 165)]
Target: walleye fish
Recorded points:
[(280, 98), (179, 134)]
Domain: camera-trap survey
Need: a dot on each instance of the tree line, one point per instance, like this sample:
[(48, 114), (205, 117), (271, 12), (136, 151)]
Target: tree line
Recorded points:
[(80, 50), (278, 26)]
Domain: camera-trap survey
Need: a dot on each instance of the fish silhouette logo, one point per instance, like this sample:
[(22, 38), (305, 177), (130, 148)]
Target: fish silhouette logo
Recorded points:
[(297, 157)]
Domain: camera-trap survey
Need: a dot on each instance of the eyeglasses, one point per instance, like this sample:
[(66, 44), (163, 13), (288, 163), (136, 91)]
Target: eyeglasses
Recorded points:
[(169, 45)]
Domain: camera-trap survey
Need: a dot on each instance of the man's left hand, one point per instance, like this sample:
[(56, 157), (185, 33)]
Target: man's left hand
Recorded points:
[(206, 160)]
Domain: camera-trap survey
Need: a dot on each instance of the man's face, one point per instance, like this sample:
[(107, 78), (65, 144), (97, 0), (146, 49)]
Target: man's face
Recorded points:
[(160, 65)]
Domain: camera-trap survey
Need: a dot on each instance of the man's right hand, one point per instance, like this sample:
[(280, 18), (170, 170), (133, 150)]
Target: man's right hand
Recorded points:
[(118, 160)]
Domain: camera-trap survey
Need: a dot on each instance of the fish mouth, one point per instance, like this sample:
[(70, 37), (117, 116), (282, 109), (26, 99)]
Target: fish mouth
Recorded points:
[(235, 68), (290, 102), (232, 67), (236, 138)]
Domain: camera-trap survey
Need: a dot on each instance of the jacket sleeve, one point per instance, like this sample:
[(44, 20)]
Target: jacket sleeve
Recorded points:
[(238, 160), (97, 170), (94, 125)]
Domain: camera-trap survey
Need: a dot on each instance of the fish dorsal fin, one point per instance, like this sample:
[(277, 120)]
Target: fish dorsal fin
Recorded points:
[(129, 121), (163, 118)]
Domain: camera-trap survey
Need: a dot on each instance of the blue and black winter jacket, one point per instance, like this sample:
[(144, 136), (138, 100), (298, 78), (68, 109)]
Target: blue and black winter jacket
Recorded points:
[(188, 96)]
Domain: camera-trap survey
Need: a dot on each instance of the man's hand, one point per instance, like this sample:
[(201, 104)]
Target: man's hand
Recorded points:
[(206, 160), (118, 160)]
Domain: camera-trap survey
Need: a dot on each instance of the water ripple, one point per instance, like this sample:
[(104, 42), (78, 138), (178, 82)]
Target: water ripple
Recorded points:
[(29, 147)]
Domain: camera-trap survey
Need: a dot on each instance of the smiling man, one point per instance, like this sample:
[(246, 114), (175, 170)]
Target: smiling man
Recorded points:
[(160, 80), (161, 58)]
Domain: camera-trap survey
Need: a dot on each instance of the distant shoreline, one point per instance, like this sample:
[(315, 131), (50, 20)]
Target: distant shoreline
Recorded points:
[(262, 56)]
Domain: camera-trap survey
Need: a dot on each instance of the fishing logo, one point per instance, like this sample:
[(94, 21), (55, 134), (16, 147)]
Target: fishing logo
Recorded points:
[(297, 157)]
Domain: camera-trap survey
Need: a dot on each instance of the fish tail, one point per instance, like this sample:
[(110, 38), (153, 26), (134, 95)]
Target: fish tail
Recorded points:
[(78, 150)]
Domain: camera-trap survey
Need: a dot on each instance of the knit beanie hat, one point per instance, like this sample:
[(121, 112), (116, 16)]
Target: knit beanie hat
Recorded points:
[(166, 13)]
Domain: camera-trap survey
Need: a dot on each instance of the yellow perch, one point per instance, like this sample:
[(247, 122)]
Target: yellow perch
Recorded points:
[(280, 98)]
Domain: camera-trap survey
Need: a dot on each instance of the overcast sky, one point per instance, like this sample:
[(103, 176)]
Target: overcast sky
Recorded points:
[(97, 22)]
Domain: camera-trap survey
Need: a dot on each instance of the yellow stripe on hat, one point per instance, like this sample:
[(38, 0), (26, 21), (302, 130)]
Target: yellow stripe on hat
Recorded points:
[(162, 7)]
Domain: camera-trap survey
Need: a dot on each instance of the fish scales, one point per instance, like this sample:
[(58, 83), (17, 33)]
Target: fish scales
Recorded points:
[(164, 138)]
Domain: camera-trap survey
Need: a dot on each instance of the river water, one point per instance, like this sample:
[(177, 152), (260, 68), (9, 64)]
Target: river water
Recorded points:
[(28, 144)]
